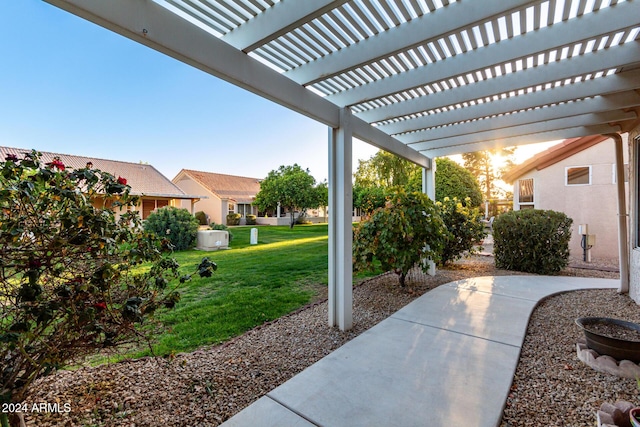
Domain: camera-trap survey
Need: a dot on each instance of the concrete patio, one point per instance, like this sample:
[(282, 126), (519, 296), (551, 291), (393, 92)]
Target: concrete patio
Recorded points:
[(446, 359)]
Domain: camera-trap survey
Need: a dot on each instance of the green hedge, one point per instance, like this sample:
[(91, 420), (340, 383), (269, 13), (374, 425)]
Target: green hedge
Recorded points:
[(176, 225), (251, 219), (233, 219), (201, 217), (532, 241)]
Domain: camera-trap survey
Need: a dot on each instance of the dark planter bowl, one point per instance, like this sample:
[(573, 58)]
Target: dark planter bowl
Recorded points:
[(619, 349)]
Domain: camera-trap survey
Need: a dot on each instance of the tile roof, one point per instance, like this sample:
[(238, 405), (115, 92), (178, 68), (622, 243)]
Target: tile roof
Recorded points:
[(553, 155), (239, 188), (144, 179)]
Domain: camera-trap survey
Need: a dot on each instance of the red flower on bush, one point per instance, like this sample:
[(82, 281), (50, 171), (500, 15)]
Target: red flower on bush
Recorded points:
[(56, 163), (35, 263), (100, 306), (122, 181)]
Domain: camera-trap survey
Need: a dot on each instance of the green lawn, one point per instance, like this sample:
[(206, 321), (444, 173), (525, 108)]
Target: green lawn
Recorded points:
[(253, 284)]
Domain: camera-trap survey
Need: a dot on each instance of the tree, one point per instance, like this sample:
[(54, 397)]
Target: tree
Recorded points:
[(454, 181), (403, 233), (69, 271), (374, 178), (481, 165), (386, 170), (367, 199), (292, 187), (322, 196)]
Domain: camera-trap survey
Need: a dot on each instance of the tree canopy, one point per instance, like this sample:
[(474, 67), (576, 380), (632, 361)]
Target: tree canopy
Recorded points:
[(454, 181), (291, 186), (387, 170), (481, 165)]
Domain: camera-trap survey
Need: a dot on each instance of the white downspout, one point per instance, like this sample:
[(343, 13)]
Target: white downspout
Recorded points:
[(623, 249)]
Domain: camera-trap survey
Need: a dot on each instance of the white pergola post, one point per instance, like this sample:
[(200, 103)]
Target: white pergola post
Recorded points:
[(429, 188), (340, 226), (623, 251)]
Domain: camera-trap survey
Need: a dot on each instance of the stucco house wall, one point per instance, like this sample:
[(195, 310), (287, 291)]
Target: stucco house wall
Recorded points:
[(594, 204), (634, 216), (225, 193), (212, 205)]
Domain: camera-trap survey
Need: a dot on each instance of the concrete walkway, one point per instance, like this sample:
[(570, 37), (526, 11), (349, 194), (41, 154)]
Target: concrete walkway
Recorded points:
[(446, 359)]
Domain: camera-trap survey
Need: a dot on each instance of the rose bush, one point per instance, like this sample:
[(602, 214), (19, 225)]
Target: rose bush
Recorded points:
[(71, 279)]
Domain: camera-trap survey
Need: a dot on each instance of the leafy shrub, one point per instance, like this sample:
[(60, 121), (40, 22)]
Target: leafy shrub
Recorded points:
[(251, 219), (453, 180), (233, 219), (201, 217), (70, 283), (532, 240), (464, 226), (302, 219), (215, 226), (403, 233), (175, 225)]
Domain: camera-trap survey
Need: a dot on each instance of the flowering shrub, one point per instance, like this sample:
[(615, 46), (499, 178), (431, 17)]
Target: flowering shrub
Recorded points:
[(233, 219), (177, 226), (69, 277), (403, 233), (532, 240), (464, 226), (251, 219)]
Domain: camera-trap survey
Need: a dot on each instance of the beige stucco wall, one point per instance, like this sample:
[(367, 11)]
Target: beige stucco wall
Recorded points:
[(212, 206), (634, 261), (594, 204)]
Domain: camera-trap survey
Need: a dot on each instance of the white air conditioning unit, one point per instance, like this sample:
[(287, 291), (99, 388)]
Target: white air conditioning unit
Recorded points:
[(211, 240)]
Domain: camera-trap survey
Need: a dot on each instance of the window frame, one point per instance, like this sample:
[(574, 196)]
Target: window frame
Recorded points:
[(566, 175), (531, 204)]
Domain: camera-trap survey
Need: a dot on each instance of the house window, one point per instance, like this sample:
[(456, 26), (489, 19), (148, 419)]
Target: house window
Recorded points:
[(244, 209), (232, 208), (150, 205), (578, 175), (525, 193)]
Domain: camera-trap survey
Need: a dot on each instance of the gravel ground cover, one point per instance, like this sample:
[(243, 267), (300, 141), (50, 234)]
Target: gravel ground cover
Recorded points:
[(207, 386)]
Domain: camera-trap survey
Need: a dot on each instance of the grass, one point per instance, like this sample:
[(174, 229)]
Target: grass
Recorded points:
[(253, 284)]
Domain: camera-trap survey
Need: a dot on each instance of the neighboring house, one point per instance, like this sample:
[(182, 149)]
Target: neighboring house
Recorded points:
[(155, 190), (576, 177), (225, 193)]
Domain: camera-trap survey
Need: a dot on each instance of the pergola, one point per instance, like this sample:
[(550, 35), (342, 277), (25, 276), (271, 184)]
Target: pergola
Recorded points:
[(418, 78)]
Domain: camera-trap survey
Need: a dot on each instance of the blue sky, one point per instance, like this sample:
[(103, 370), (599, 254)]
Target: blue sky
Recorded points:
[(69, 86)]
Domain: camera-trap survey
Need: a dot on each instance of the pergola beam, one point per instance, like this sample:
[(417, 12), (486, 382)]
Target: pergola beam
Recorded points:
[(592, 63), (609, 20), (599, 104), (276, 21), (415, 32), (529, 129), (156, 27), (621, 82), (573, 132)]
